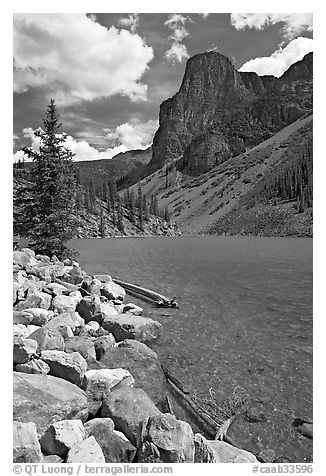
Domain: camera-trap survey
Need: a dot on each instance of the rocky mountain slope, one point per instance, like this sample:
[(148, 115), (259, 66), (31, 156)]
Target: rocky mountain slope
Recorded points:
[(219, 113), (229, 198)]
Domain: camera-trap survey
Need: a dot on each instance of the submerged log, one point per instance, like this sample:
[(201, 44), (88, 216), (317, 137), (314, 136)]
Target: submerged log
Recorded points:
[(219, 430), (147, 294)]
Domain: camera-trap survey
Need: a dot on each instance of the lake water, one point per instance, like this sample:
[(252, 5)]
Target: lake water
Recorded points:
[(245, 319)]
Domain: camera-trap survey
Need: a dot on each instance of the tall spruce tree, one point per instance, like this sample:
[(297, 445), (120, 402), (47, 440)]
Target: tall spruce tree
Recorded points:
[(51, 200)]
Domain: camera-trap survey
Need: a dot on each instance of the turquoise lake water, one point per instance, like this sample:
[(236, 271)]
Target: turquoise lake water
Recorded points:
[(245, 319)]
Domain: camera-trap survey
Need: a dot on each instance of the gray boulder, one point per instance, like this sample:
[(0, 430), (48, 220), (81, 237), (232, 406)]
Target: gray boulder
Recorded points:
[(62, 303), (71, 367), (128, 326), (173, 439), (103, 344), (132, 309), (48, 339), (44, 399), (19, 330), (52, 459), (91, 308), (112, 291), (24, 350), (99, 383), (35, 366), (71, 319), (23, 259), (26, 448), (225, 453), (142, 363), (129, 409), (116, 449), (61, 436), (82, 344), (38, 299), (87, 451), (40, 316), (22, 317)]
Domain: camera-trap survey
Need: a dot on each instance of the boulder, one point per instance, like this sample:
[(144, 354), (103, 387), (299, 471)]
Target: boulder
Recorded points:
[(61, 436), (35, 366), (71, 319), (75, 275), (44, 399), (56, 288), (203, 452), (91, 308), (39, 299), (23, 259), (129, 408), (26, 448), (173, 439), (82, 344), (66, 332), (143, 365), (99, 383), (128, 326), (48, 339), (94, 287), (116, 449), (24, 350), (225, 453), (306, 429), (71, 367), (112, 291), (31, 328), (62, 304), (40, 316), (103, 344), (19, 330), (28, 251), (46, 271), (106, 423), (54, 459), (87, 451), (22, 317), (132, 309)]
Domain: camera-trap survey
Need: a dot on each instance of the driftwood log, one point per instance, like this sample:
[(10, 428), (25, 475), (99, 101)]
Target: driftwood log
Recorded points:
[(219, 430), (147, 294)]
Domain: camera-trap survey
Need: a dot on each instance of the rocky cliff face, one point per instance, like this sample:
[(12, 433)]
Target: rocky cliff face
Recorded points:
[(219, 112)]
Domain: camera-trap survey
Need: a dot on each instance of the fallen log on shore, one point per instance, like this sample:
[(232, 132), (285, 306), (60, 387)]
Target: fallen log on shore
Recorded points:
[(147, 294), (218, 430)]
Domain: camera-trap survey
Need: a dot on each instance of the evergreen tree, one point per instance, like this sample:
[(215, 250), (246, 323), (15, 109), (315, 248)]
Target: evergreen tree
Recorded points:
[(50, 204), (120, 214), (140, 208), (102, 224), (132, 207)]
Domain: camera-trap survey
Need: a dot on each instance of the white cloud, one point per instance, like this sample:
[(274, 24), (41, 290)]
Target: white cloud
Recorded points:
[(75, 58), (136, 135), (281, 59), (131, 22), (293, 23), (177, 51)]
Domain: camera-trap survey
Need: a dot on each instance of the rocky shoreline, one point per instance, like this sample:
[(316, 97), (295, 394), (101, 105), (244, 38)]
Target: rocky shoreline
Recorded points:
[(87, 387)]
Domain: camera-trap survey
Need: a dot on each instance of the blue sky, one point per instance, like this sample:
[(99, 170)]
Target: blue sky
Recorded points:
[(110, 72)]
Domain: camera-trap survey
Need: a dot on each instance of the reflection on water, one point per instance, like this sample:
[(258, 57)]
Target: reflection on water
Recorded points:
[(245, 319)]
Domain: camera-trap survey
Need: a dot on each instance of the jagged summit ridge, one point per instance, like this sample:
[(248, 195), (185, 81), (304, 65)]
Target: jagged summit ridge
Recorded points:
[(220, 112)]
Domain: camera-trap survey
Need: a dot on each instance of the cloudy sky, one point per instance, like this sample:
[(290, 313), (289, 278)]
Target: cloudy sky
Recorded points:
[(110, 72)]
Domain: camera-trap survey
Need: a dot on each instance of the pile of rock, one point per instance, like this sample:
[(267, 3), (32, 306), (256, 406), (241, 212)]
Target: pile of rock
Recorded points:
[(87, 388)]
